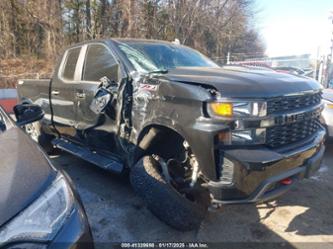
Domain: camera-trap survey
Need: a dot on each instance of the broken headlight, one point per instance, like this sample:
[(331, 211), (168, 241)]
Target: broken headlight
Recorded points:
[(235, 109), (42, 220)]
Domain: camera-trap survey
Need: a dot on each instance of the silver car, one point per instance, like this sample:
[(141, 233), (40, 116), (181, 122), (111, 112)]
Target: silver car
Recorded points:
[(327, 113)]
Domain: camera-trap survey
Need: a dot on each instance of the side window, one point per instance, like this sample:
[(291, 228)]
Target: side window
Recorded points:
[(70, 64), (99, 63)]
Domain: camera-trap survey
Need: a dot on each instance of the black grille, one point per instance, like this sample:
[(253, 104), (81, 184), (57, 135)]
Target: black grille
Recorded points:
[(292, 103), (281, 135)]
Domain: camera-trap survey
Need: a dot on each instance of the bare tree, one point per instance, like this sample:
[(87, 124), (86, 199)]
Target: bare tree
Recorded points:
[(43, 27), (88, 20)]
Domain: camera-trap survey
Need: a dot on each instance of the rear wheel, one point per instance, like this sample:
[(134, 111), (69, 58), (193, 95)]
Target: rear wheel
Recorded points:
[(34, 130), (168, 193)]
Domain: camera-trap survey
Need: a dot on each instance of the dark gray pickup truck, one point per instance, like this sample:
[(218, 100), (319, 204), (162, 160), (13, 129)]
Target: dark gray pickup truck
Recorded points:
[(191, 134)]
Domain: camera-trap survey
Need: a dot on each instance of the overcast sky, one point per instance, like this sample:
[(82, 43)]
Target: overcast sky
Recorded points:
[(295, 26)]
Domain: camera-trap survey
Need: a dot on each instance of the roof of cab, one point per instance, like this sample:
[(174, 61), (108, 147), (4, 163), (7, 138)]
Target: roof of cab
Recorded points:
[(131, 40)]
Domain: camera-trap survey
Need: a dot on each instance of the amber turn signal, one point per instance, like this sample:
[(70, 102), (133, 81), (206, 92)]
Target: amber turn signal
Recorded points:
[(222, 109), (329, 106)]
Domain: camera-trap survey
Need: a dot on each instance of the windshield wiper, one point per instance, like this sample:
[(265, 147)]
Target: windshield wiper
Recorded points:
[(161, 71)]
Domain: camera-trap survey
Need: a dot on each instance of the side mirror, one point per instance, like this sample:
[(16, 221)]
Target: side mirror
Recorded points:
[(27, 113)]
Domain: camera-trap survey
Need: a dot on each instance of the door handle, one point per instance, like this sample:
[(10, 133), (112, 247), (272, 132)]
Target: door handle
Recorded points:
[(81, 95), (55, 92)]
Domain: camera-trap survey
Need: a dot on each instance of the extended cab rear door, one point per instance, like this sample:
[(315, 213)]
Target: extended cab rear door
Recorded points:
[(63, 90), (99, 62)]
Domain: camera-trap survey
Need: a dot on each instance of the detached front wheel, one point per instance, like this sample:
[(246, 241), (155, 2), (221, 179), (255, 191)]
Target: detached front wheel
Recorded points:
[(181, 207)]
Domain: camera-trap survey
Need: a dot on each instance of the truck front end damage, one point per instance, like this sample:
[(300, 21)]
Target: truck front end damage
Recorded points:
[(246, 150), (259, 149), (206, 135)]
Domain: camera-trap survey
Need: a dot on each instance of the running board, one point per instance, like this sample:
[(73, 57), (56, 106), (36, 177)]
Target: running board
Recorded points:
[(104, 161)]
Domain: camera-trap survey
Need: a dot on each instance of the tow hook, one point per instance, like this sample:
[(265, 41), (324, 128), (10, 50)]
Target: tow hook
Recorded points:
[(286, 181)]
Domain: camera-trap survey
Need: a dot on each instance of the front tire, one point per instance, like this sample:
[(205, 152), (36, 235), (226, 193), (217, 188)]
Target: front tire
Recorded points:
[(163, 199)]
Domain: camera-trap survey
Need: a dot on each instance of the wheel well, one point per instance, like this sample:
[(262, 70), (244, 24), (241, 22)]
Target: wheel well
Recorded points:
[(160, 140)]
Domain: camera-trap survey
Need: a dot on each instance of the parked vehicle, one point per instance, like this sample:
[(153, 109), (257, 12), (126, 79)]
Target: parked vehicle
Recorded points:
[(327, 114), (192, 134), (38, 206)]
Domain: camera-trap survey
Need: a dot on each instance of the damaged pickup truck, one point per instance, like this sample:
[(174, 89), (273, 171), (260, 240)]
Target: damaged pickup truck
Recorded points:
[(191, 134)]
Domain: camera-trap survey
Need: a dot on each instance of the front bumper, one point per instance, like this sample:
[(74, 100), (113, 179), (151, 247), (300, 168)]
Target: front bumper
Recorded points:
[(257, 173)]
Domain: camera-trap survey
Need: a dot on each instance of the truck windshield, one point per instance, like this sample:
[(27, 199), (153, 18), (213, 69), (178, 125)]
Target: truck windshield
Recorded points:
[(150, 57)]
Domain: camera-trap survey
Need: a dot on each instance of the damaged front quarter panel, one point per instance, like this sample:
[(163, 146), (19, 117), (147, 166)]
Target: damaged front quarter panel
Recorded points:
[(177, 106), (160, 102)]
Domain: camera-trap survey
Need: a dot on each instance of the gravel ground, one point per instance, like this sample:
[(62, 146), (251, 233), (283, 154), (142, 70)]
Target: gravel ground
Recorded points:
[(116, 214)]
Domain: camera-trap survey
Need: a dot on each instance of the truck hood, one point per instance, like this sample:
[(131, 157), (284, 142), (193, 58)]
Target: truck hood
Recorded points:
[(242, 82), (24, 173)]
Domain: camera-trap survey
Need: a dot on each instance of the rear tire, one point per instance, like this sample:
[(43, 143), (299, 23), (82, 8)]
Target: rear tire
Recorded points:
[(34, 130), (162, 198)]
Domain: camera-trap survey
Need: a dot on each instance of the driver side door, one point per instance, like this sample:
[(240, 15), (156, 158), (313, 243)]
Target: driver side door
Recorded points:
[(99, 62)]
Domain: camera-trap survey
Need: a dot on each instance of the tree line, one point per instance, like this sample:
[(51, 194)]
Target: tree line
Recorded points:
[(42, 28)]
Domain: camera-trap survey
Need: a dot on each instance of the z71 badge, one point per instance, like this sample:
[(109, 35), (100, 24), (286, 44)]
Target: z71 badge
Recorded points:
[(148, 87)]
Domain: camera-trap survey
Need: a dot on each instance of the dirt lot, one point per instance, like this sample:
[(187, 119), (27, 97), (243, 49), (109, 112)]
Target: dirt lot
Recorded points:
[(116, 214)]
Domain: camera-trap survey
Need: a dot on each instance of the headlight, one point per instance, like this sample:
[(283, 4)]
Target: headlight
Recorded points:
[(327, 103), (237, 109), (243, 137), (41, 221)]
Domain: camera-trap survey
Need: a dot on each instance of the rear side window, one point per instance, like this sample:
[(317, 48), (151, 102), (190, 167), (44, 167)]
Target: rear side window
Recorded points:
[(99, 63), (70, 64)]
